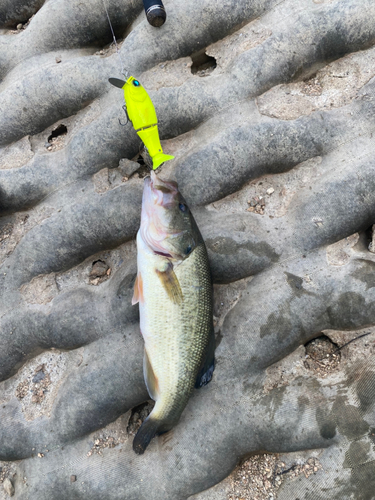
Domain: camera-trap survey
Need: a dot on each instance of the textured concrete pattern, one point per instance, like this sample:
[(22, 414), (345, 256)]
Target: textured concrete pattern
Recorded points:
[(268, 107)]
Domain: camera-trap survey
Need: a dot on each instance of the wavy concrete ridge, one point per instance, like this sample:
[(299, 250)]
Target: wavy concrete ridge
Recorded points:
[(284, 199)]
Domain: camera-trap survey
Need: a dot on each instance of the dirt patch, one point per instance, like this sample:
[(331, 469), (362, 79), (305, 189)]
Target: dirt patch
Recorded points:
[(80, 274), (41, 289), (110, 49), (167, 74), (138, 416), (22, 389), (356, 344), (258, 203), (6, 232), (100, 272), (225, 51), (339, 253), (15, 227), (334, 86), (16, 155), (272, 194), (261, 476), (110, 436), (322, 356), (37, 383), (7, 471), (102, 443)]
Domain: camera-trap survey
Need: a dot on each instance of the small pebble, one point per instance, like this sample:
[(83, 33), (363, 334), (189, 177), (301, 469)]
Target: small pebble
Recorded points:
[(270, 191), (58, 60), (8, 487), (19, 26), (73, 479)]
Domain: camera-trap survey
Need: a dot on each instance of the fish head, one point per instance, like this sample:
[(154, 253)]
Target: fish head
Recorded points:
[(167, 225), (134, 91)]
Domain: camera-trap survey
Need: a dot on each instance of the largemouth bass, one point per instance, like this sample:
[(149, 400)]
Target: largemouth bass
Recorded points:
[(174, 292)]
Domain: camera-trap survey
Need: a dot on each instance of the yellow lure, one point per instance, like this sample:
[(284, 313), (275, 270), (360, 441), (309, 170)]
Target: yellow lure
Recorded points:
[(142, 114)]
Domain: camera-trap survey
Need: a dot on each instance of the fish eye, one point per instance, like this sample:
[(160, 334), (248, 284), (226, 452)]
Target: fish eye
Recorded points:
[(136, 83), (188, 250), (182, 207)]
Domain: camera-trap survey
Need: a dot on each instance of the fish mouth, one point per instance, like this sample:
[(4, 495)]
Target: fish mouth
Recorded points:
[(167, 255), (162, 193), (158, 197), (165, 187)]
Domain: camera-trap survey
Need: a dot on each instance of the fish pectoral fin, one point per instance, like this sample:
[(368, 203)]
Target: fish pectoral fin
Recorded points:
[(170, 283), (138, 290), (208, 365), (150, 378)]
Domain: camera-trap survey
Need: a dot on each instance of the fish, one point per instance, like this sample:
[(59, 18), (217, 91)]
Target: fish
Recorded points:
[(173, 288), (141, 112)]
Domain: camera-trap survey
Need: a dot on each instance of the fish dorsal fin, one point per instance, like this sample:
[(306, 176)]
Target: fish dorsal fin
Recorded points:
[(170, 283), (150, 378), (208, 365), (138, 290)]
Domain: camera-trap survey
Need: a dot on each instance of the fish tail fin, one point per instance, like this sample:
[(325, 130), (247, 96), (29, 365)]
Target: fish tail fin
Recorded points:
[(160, 158), (147, 431)]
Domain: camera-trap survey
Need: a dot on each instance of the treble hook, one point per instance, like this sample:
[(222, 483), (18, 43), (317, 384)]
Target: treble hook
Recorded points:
[(127, 116)]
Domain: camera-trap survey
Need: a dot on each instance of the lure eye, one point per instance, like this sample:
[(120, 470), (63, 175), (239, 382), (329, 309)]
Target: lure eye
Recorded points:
[(136, 83), (188, 250), (182, 207)]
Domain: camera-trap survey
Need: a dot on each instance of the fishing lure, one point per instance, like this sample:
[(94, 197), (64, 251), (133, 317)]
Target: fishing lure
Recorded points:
[(142, 114)]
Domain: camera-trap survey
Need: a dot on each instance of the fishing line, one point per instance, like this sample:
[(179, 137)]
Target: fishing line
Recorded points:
[(123, 72)]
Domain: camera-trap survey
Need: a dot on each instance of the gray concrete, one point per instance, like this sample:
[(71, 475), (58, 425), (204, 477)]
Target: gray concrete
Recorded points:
[(265, 122)]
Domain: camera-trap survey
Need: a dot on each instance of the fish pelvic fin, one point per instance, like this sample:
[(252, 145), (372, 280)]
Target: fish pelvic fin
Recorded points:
[(146, 432), (159, 159), (170, 283), (208, 366), (138, 290)]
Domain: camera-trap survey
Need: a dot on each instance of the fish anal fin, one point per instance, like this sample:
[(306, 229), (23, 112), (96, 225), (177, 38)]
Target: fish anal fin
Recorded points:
[(138, 290), (150, 378), (208, 365), (170, 283)]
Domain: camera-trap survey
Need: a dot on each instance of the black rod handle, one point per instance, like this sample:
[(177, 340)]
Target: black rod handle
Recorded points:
[(155, 12)]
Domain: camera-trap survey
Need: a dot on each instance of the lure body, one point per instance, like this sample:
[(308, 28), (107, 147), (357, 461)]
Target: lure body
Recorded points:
[(142, 114)]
